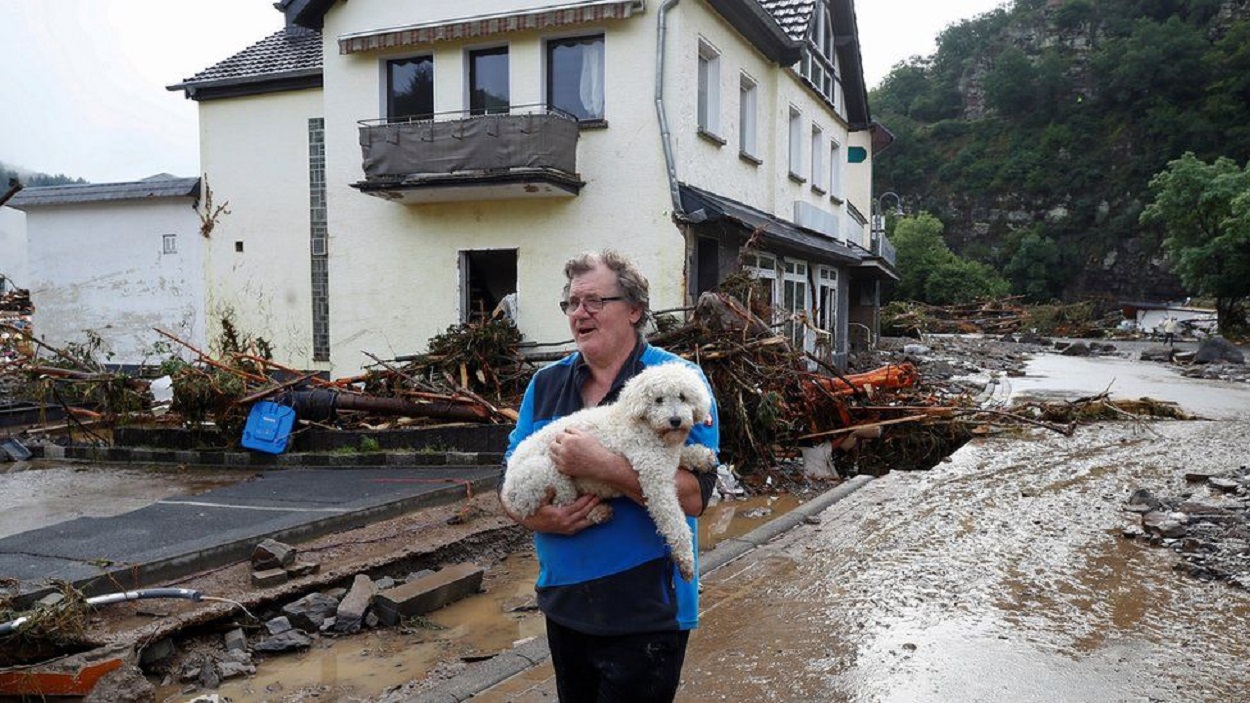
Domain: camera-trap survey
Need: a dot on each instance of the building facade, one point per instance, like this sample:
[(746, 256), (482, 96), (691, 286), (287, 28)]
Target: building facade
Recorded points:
[(115, 261), (396, 167)]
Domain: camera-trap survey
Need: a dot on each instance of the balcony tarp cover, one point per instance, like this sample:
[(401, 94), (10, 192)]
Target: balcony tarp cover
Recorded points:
[(493, 143)]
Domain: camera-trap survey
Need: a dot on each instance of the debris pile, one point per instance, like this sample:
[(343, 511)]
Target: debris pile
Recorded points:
[(1209, 532)]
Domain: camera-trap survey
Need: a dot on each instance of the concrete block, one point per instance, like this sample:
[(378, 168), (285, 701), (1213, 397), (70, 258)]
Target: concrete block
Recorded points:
[(428, 593), (268, 577), (303, 568), (236, 640)]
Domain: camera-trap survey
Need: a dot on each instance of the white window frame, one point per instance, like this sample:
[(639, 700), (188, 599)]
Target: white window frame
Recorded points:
[(169, 244), (796, 144), (835, 171), (818, 159), (748, 120), (763, 267), (708, 108), (795, 302)]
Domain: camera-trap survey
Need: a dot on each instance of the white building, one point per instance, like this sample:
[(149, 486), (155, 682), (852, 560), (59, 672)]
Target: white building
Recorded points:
[(394, 167), (12, 249), (115, 260)]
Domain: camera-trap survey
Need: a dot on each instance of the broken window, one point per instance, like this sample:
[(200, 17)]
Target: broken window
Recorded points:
[(488, 284), (410, 88)]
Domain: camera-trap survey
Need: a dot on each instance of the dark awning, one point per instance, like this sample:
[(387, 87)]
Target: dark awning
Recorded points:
[(702, 206)]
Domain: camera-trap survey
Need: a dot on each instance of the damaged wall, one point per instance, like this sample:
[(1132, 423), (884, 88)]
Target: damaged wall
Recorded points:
[(255, 154), (13, 247), (118, 268)]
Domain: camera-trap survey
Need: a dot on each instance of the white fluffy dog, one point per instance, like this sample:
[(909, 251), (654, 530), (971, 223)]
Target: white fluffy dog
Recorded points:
[(648, 425)]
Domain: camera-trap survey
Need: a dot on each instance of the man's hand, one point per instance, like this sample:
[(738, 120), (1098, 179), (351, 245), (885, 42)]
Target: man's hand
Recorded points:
[(579, 454), (560, 519)]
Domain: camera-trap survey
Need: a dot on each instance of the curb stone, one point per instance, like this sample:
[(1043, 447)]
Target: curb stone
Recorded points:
[(532, 653)]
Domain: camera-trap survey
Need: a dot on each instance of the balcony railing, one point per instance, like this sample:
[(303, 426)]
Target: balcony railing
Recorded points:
[(882, 247), (531, 151)]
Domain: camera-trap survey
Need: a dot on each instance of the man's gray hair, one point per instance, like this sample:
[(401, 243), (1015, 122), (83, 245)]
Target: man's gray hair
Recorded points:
[(634, 286)]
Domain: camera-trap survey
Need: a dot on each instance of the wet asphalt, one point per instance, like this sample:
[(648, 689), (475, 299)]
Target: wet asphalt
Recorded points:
[(183, 533)]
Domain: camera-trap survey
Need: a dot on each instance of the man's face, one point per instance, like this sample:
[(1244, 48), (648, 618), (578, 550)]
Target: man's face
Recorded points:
[(600, 336)]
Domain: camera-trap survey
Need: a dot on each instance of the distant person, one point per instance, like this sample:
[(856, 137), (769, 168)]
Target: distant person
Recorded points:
[(1169, 331)]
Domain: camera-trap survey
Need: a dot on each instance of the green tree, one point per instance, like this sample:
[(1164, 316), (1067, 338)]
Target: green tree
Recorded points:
[(1205, 211), (930, 272), (1033, 268)]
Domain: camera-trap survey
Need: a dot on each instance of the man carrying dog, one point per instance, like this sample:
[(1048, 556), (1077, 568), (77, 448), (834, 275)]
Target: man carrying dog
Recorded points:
[(618, 613)]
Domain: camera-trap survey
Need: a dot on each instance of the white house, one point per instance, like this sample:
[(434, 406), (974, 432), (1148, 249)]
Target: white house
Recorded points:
[(394, 167), (116, 260), (12, 249)]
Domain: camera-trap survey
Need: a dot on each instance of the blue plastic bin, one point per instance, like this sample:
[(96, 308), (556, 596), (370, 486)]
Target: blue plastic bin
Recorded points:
[(268, 427)]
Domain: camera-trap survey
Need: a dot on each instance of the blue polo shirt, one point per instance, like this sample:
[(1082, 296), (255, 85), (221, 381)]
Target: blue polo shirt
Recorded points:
[(615, 578)]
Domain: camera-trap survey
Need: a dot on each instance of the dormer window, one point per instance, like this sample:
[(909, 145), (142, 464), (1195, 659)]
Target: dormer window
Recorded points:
[(818, 65)]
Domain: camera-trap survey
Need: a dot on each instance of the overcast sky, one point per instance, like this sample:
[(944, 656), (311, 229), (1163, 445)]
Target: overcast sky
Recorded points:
[(82, 82)]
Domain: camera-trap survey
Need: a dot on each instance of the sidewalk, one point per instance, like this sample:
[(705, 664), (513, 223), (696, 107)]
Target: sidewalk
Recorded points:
[(183, 535)]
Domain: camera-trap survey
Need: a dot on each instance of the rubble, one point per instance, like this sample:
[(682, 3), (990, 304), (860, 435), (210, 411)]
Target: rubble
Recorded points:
[(1208, 527)]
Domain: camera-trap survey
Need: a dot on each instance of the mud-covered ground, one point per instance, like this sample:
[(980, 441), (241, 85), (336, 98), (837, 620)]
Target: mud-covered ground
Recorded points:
[(1003, 574)]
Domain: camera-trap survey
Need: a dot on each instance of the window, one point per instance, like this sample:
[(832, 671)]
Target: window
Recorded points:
[(763, 268), (794, 303), (488, 284), (818, 159), (835, 170), (575, 76), (748, 96), (488, 81), (817, 65), (169, 244), (709, 89), (410, 88), (827, 311), (796, 144)]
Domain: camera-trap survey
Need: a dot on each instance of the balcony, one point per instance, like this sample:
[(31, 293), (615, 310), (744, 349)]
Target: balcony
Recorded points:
[(530, 152), (882, 247)]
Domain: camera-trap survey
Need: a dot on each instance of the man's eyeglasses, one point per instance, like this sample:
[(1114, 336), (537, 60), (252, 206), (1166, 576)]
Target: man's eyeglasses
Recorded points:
[(591, 304)]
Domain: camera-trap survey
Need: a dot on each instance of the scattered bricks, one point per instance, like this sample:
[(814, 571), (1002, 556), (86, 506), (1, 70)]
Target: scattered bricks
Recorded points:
[(430, 593), (268, 577), (351, 610), (236, 641), (278, 625), (303, 568), (272, 554)]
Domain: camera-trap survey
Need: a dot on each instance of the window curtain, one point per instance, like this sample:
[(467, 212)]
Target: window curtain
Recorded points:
[(591, 85)]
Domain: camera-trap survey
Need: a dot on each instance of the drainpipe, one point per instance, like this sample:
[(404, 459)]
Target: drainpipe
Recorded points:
[(665, 136)]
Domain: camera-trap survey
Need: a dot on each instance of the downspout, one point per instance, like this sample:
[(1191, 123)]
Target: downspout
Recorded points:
[(666, 139)]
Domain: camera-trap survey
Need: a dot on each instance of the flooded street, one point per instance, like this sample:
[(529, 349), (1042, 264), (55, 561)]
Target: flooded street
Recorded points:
[(1000, 575)]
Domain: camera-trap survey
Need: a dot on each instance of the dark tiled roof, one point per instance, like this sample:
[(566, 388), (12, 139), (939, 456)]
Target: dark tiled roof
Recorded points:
[(792, 15), (280, 55), (163, 186)]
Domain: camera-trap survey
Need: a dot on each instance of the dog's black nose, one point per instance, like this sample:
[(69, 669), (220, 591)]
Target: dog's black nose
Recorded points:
[(674, 421)]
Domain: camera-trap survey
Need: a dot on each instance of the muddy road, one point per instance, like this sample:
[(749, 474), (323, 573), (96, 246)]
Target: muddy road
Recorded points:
[(1000, 575)]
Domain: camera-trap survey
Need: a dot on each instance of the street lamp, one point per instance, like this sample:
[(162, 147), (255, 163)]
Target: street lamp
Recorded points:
[(878, 228)]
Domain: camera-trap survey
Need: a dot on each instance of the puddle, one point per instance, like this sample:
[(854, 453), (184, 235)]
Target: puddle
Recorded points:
[(363, 666)]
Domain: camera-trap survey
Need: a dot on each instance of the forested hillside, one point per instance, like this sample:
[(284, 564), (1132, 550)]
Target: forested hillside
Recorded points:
[(1033, 131), (27, 178)]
